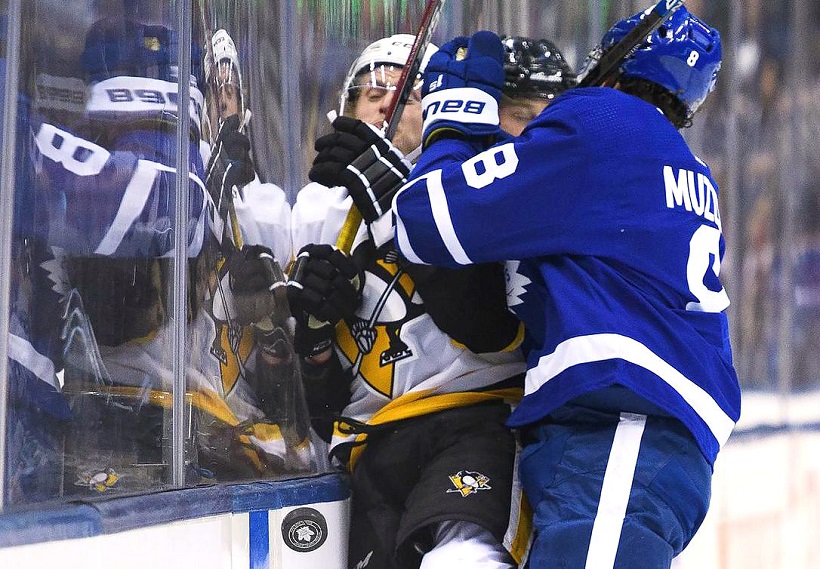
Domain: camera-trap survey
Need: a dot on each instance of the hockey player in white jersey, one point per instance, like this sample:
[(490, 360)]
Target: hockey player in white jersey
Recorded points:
[(420, 379), (108, 194), (615, 231)]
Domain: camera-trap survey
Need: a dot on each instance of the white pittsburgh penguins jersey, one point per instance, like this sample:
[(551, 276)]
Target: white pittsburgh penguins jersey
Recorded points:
[(402, 364)]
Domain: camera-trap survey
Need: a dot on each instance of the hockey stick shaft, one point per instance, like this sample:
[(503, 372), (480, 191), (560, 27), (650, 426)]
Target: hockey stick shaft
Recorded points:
[(404, 88), (609, 61), (410, 71)]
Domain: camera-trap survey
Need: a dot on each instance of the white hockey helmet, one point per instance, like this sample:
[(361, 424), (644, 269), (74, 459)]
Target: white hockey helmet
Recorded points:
[(226, 59), (378, 57)]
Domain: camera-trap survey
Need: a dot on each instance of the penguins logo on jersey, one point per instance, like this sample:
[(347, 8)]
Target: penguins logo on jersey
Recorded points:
[(100, 480), (232, 343), (372, 342), (468, 482)]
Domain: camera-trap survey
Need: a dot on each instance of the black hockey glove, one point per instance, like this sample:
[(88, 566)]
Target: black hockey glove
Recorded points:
[(253, 279), (231, 164), (357, 156), (325, 286)]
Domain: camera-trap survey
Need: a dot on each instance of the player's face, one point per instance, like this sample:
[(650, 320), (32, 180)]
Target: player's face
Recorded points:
[(375, 92), (517, 113), (227, 91)]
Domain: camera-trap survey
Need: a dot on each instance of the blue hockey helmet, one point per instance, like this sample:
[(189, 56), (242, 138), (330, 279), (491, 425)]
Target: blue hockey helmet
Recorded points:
[(117, 47), (132, 71), (683, 55)]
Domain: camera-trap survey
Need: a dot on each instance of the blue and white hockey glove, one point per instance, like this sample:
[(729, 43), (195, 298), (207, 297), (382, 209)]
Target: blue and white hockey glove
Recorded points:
[(460, 95), (357, 156)]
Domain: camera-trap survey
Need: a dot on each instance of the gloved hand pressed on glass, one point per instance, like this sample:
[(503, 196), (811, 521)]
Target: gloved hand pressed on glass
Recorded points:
[(232, 164), (462, 87), (325, 287), (252, 281), (357, 156)]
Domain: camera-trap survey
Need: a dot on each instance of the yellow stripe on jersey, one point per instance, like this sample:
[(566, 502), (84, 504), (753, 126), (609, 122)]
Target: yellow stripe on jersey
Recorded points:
[(417, 403)]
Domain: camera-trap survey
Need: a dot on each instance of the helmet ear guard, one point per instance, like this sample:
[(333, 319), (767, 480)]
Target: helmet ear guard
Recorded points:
[(683, 56)]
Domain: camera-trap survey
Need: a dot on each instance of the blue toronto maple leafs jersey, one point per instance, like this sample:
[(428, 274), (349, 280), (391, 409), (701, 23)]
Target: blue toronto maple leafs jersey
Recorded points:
[(612, 233)]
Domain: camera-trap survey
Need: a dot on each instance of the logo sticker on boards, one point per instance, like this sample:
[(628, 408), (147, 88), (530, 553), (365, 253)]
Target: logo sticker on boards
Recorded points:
[(304, 529)]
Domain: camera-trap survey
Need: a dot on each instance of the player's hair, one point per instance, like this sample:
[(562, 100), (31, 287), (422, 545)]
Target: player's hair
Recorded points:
[(651, 92)]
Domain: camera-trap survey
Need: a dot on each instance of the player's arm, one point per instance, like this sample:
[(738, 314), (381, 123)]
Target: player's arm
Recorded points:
[(508, 201), (110, 202), (469, 304)]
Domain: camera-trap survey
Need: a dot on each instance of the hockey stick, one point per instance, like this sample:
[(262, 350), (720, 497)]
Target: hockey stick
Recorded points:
[(404, 88), (608, 62)]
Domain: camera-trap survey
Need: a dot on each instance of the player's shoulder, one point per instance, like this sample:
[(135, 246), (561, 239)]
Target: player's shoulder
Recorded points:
[(607, 116), (315, 194)]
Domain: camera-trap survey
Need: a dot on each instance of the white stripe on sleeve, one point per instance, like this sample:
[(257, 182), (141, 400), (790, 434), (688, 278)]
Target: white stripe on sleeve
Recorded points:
[(441, 215), (131, 205)]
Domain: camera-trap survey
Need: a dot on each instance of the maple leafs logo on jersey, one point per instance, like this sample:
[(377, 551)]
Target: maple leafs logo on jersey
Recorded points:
[(467, 482), (516, 283)]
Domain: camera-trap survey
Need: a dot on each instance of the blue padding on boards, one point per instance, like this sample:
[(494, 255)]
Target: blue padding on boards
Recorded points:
[(111, 515), (285, 493), (123, 514), (259, 540), (69, 521)]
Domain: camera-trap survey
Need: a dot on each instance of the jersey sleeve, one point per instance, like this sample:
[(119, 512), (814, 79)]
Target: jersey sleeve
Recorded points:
[(116, 202), (264, 217), (318, 215), (493, 206)]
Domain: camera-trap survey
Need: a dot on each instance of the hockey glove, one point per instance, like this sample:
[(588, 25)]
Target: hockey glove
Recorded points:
[(460, 95), (357, 156), (325, 287), (252, 273), (231, 164)]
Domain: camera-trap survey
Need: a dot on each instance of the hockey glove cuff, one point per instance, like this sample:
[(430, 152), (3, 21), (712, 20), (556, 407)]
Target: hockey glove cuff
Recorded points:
[(357, 156), (324, 288), (461, 89)]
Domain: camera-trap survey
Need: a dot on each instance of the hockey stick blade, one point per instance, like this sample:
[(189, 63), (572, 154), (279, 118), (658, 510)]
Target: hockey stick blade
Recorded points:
[(609, 61)]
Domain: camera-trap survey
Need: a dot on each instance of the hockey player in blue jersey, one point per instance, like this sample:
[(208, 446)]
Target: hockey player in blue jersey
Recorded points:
[(418, 373), (613, 235)]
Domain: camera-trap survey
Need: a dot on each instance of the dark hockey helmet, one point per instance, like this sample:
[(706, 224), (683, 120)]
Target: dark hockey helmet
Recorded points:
[(683, 55), (534, 68)]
